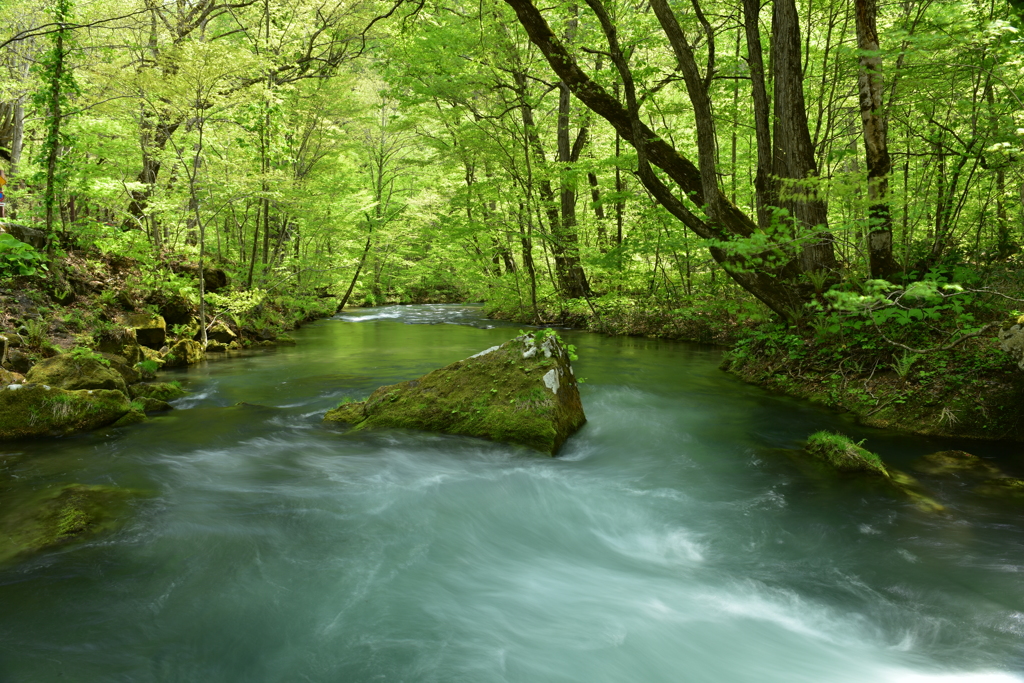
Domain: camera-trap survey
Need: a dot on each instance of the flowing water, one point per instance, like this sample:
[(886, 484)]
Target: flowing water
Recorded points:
[(672, 540)]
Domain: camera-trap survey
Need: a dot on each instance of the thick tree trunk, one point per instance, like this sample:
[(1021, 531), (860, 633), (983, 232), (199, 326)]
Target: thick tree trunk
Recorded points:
[(764, 186), (794, 166), (876, 145)]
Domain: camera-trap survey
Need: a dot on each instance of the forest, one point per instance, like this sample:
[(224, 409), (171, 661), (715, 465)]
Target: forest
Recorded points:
[(833, 189), (499, 341)]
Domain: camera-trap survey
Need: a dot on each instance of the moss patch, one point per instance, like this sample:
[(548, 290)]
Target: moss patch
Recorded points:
[(844, 454), (58, 516), (184, 352), (36, 410), (521, 392), (161, 391), (68, 372)]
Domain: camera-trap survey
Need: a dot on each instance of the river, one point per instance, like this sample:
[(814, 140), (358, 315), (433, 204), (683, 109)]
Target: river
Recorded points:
[(671, 540)]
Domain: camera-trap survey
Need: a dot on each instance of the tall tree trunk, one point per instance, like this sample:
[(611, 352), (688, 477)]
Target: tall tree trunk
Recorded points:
[(764, 186), (565, 242), (794, 167), (876, 145)]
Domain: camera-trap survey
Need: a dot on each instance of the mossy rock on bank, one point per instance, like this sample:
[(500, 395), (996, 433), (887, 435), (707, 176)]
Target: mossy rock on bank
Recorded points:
[(28, 410), (150, 330), (218, 332), (120, 365), (520, 392), (121, 342), (161, 391), (184, 352), (844, 454), (955, 462), (8, 377), (58, 516), (73, 373)]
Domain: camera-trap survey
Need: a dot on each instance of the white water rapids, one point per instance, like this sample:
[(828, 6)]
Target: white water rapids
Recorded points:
[(671, 541)]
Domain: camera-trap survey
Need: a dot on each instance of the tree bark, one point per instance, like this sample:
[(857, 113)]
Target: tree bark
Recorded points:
[(876, 145), (764, 187), (794, 168)]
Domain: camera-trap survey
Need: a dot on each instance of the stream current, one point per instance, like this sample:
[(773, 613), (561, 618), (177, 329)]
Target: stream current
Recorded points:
[(672, 540)]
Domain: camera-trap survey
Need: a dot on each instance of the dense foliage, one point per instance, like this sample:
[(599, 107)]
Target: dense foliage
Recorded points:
[(852, 172)]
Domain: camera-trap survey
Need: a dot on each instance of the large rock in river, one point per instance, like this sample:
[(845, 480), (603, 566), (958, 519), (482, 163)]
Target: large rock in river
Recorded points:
[(40, 410), (521, 392)]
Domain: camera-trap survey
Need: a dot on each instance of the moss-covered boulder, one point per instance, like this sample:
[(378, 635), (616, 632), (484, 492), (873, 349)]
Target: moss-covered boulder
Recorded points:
[(150, 330), (39, 410), (120, 365), (71, 372), (956, 462), (42, 520), (121, 342), (844, 454), (8, 377), (184, 352), (521, 392)]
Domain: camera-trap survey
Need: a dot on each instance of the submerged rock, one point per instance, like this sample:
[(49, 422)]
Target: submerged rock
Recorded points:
[(59, 516), (521, 392), (955, 462), (161, 391), (70, 372), (151, 405), (40, 410), (844, 454), (1004, 487)]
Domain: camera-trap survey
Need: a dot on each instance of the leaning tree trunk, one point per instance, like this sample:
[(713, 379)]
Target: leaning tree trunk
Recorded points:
[(876, 145), (767, 276)]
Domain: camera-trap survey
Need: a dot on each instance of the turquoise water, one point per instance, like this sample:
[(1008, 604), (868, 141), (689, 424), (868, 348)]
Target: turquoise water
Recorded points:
[(670, 541)]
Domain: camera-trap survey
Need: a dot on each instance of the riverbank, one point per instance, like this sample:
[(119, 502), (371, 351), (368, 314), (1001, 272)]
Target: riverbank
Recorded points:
[(88, 298), (972, 390)]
